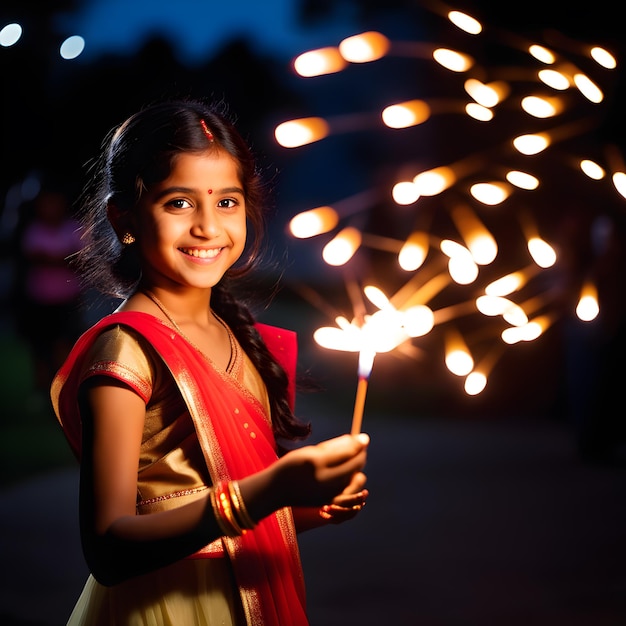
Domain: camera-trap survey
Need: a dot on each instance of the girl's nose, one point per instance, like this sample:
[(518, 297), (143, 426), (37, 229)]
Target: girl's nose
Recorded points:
[(207, 223)]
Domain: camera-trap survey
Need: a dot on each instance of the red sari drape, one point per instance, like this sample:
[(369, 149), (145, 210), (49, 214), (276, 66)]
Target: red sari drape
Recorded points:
[(237, 440)]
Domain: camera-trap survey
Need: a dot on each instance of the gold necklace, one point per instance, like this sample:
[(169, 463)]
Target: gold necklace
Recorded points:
[(234, 346)]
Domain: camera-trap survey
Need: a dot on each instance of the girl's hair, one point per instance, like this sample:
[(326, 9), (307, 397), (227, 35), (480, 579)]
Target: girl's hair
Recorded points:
[(141, 152)]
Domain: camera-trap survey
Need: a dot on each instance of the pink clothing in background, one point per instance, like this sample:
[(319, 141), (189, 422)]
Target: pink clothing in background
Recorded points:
[(50, 279)]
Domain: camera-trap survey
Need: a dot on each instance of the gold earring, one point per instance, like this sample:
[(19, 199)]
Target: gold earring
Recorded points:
[(127, 239)]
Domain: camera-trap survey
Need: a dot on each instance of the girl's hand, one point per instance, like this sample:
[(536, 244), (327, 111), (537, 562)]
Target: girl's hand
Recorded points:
[(329, 472), (318, 474), (344, 507)]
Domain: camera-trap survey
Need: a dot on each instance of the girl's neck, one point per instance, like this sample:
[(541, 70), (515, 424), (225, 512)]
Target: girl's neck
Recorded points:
[(187, 307), (210, 336)]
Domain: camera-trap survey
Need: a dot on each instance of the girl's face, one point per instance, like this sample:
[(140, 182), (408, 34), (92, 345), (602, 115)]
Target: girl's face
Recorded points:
[(191, 227)]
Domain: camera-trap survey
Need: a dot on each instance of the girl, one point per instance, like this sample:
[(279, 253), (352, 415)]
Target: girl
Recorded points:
[(179, 406)]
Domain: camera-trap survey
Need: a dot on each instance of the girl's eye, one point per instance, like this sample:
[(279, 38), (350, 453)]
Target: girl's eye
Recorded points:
[(227, 203), (179, 203)]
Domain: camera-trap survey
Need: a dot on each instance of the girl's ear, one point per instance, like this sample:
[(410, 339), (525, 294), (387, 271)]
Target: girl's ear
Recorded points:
[(121, 222)]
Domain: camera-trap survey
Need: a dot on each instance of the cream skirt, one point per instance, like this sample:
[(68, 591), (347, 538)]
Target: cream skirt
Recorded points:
[(191, 592)]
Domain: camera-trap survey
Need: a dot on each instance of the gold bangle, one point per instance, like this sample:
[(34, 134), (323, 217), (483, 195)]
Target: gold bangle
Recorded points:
[(223, 510), (218, 516), (225, 503), (240, 508)]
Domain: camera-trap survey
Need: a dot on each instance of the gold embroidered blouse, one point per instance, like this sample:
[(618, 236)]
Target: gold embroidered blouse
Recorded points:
[(172, 469)]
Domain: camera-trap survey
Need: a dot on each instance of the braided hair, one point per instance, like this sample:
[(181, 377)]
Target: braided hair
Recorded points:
[(141, 152), (241, 321)]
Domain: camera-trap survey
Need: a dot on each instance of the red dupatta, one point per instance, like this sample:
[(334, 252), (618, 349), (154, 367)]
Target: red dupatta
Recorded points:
[(237, 440)]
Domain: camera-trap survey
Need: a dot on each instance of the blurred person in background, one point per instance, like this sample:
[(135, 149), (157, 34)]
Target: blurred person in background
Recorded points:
[(47, 292)]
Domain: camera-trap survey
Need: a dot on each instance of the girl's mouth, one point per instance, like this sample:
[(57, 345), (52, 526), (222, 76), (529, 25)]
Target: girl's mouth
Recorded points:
[(201, 253)]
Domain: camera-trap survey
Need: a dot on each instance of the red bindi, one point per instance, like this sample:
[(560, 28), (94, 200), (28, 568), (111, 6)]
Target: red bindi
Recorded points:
[(210, 191)]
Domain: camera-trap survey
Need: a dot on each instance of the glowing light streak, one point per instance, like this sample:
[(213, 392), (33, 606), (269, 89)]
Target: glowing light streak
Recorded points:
[(527, 332), (411, 295), (619, 181), (365, 47), (405, 193), (542, 252), (498, 306), (603, 57), (313, 222), (555, 79), (465, 22), (481, 244), (490, 193), (588, 88), (418, 320), (492, 305), (479, 112), (296, 133), (511, 282), (486, 95), (457, 355), (587, 308), (405, 114), (541, 53), (541, 107), (376, 296), (452, 248), (463, 269), (515, 315), (433, 182), (592, 169), (340, 249), (319, 62), (531, 144), (414, 251), (340, 339), (453, 60), (475, 382), (522, 180)]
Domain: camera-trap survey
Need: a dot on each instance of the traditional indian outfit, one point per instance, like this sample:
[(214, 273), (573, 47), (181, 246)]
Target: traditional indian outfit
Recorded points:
[(202, 425)]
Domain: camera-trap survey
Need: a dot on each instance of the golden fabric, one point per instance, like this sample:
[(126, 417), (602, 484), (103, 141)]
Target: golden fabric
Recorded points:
[(191, 592), (229, 411), (172, 471), (171, 462)]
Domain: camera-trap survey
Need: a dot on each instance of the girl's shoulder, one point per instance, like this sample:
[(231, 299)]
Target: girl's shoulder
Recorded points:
[(119, 342), (123, 353)]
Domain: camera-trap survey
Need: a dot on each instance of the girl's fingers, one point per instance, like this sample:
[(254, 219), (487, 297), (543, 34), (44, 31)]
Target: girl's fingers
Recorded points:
[(336, 514), (357, 483), (349, 501), (343, 448)]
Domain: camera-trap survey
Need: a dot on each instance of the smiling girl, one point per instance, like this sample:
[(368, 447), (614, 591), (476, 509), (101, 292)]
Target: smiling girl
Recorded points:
[(178, 405)]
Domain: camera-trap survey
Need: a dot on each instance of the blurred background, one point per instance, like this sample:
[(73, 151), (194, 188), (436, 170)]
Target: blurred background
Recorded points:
[(502, 505)]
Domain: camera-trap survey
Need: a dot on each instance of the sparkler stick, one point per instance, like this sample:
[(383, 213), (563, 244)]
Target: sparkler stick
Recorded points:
[(366, 362)]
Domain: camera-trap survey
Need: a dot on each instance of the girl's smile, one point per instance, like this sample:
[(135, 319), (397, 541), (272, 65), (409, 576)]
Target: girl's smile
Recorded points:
[(201, 253)]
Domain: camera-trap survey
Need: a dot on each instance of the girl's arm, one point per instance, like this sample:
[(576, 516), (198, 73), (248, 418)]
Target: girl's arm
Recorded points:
[(119, 544)]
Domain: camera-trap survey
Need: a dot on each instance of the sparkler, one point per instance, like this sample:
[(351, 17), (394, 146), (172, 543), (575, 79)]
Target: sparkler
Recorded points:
[(383, 331), (366, 362), (467, 185)]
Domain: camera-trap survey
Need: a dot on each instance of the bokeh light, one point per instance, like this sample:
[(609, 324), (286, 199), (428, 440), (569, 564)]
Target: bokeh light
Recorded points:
[(472, 261)]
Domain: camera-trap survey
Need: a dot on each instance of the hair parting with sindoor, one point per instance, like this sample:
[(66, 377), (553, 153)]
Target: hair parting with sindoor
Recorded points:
[(141, 152)]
